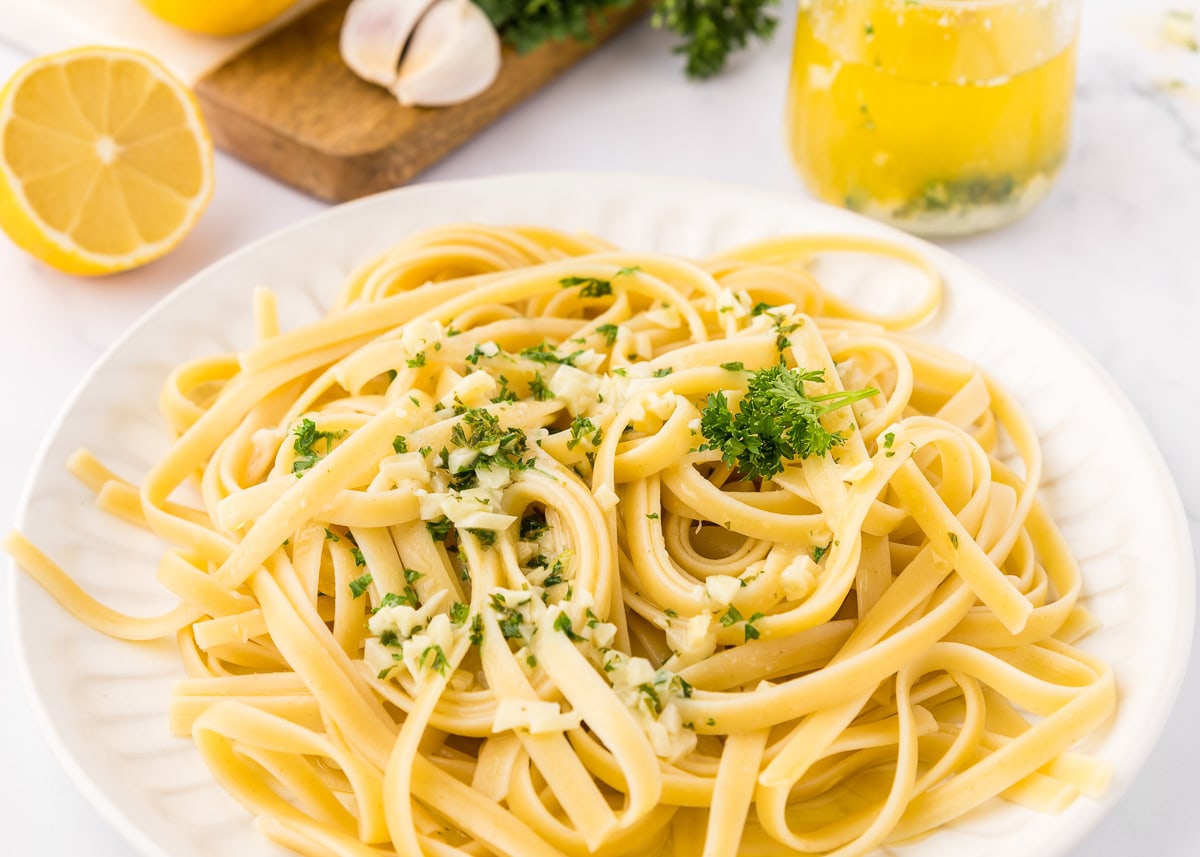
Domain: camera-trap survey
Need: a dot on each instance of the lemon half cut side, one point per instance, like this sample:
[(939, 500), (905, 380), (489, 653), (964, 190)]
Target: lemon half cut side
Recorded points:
[(105, 162)]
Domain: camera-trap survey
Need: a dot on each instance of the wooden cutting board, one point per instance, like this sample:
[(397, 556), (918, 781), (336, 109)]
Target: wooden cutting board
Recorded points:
[(290, 107), (285, 103)]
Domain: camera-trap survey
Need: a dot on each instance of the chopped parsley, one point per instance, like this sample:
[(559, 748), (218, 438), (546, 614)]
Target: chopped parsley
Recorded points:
[(609, 332), (546, 354), (818, 552), (479, 430), (736, 366), (505, 394), (359, 559), (533, 525), (331, 535), (359, 585), (408, 598), (563, 623), (487, 538), (583, 429), (731, 617), (416, 361), (953, 539), (439, 664), (482, 349), (538, 388), (400, 443), (510, 618), (751, 633), (459, 613), (592, 287), (439, 528), (307, 438), (663, 372), (653, 702), (783, 327), (961, 193), (554, 578)]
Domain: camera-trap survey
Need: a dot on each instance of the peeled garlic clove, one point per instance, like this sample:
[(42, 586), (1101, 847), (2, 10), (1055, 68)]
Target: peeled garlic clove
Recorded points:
[(453, 55), (374, 33)]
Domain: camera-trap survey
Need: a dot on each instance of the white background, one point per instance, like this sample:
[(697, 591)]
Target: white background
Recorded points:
[(1113, 256)]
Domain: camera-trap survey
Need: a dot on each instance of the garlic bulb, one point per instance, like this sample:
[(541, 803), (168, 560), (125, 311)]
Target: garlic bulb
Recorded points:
[(430, 53)]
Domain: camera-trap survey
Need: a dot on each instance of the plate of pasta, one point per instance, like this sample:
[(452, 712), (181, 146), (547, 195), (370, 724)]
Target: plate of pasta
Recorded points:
[(599, 515)]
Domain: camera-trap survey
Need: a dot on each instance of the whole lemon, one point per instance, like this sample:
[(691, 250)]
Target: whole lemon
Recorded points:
[(218, 17)]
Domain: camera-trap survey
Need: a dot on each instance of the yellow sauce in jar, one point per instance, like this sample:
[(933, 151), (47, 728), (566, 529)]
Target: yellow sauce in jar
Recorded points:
[(942, 117)]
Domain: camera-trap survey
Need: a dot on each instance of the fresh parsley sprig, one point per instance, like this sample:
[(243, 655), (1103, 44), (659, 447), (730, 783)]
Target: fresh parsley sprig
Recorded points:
[(776, 422), (713, 29)]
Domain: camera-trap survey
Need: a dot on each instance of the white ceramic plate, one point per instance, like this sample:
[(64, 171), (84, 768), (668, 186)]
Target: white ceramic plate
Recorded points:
[(103, 702)]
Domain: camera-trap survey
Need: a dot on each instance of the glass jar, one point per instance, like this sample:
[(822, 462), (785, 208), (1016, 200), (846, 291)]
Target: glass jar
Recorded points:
[(942, 117)]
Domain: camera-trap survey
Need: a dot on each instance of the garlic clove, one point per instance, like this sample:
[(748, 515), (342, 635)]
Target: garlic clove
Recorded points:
[(453, 55), (374, 33)]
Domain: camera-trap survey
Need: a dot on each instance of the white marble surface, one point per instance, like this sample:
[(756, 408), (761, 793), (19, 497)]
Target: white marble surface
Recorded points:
[(1113, 256)]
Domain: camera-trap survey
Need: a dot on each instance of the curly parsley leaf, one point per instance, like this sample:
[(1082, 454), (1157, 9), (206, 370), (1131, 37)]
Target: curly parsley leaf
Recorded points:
[(777, 421)]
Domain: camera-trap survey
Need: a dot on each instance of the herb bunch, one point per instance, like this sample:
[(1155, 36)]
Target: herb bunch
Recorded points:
[(776, 422), (711, 29)]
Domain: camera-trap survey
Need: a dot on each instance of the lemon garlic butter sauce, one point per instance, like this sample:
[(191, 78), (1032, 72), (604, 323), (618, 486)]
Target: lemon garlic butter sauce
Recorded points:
[(943, 117)]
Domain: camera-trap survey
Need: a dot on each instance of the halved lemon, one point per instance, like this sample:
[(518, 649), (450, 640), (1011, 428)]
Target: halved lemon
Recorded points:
[(105, 162)]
